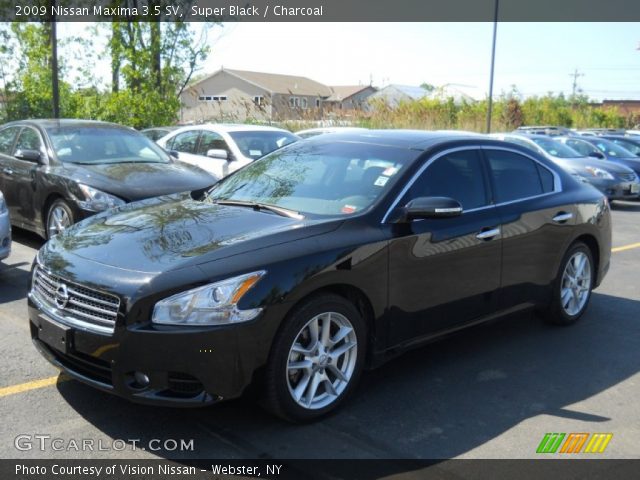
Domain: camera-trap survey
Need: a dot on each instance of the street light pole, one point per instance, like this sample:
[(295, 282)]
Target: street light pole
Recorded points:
[(493, 59), (54, 65)]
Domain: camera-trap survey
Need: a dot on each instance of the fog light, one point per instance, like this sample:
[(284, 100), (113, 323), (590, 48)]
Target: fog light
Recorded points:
[(141, 379)]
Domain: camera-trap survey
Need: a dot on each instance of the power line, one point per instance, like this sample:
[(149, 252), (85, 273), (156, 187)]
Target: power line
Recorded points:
[(575, 76)]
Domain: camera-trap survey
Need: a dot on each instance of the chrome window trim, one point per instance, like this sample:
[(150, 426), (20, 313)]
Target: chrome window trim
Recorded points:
[(557, 183)]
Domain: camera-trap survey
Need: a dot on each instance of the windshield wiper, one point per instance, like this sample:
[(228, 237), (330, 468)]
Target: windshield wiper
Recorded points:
[(283, 212)]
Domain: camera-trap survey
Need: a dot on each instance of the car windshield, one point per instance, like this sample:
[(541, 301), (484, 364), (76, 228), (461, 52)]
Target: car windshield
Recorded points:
[(610, 149), (257, 143), (315, 178), (632, 147), (99, 145), (555, 148)]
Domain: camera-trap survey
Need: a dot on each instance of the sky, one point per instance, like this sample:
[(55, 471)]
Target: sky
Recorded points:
[(535, 57)]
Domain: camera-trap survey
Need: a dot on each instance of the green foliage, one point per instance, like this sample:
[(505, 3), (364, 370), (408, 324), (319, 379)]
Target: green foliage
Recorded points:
[(151, 64)]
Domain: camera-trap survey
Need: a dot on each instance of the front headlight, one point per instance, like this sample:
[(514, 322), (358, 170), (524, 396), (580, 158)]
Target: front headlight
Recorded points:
[(214, 304), (598, 172), (3, 204), (97, 200)]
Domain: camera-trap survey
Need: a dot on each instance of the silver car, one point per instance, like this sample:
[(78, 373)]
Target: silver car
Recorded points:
[(5, 229)]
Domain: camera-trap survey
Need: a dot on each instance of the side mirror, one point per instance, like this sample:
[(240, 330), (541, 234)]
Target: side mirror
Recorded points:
[(218, 153), (432, 207), (28, 155), (596, 155), (173, 154)]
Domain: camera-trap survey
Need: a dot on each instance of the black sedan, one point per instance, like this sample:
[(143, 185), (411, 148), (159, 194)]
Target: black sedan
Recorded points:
[(56, 172), (312, 263)]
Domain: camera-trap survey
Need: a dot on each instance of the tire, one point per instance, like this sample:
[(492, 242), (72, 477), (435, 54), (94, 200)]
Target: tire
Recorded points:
[(335, 377), (59, 217), (571, 298)]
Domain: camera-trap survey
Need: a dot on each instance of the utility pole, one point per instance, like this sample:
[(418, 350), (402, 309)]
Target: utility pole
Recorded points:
[(575, 76), (54, 64), (493, 59)]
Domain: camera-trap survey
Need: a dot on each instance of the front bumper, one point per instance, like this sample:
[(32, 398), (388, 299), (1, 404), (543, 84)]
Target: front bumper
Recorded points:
[(617, 190), (5, 236), (185, 367)]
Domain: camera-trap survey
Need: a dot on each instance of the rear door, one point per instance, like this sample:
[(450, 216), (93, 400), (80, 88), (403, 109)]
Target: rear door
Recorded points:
[(536, 224), (213, 141), (445, 272)]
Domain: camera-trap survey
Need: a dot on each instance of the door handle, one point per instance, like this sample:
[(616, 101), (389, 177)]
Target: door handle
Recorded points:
[(562, 217), (488, 234)]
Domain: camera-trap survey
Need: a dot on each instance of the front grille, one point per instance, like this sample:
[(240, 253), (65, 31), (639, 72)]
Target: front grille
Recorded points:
[(627, 177), (90, 367), (184, 385), (84, 307)]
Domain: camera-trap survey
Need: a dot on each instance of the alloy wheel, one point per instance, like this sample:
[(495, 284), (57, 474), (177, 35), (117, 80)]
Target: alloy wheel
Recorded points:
[(59, 221), (576, 284), (322, 360)]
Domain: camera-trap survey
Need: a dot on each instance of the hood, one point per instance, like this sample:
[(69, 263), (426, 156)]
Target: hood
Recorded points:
[(136, 181), (168, 233), (579, 164)]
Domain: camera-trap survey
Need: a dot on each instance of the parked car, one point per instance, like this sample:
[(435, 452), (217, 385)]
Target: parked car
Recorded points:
[(551, 130), (616, 181), (5, 229), (601, 148), (312, 132), (156, 133), (601, 131), (221, 149), (323, 258), (629, 143), (56, 172)]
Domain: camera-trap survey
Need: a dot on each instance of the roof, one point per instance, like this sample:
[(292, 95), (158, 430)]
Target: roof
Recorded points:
[(413, 139), (231, 127), (67, 122), (341, 92), (276, 83)]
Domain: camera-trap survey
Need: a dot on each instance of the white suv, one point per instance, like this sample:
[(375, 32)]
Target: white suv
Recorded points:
[(222, 148)]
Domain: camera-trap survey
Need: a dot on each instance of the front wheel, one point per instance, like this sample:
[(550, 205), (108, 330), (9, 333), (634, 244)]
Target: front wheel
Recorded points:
[(59, 218), (316, 359), (572, 288)]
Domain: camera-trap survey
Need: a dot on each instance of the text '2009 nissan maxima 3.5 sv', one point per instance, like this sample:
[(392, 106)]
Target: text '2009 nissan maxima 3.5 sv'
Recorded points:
[(312, 263)]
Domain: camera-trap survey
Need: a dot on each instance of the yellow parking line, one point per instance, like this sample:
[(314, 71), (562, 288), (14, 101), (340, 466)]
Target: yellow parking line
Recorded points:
[(626, 247), (35, 384)]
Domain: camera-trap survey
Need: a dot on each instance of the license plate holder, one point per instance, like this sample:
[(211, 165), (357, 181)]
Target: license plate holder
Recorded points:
[(55, 335), (635, 188)]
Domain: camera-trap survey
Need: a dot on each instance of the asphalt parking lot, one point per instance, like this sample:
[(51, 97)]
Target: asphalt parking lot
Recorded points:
[(490, 392)]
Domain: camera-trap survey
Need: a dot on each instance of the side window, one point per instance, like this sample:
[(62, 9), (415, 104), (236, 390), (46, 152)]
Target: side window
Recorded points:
[(582, 148), (29, 139), (7, 137), (457, 175), (514, 176), (211, 141), (186, 141), (546, 177)]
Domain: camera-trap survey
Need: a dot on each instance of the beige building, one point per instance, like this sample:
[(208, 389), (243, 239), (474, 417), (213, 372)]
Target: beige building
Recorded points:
[(237, 96)]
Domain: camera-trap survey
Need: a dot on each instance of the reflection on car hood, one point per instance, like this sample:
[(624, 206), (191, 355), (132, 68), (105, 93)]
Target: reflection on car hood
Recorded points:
[(167, 233), (580, 163), (136, 181)]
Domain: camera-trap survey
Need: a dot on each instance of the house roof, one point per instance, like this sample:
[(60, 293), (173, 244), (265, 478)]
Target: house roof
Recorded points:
[(277, 83), (342, 92), (399, 92)]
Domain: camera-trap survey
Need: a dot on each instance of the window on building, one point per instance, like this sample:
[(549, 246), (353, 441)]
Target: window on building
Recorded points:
[(317, 103), (304, 103), (258, 100), (212, 98), (294, 102)]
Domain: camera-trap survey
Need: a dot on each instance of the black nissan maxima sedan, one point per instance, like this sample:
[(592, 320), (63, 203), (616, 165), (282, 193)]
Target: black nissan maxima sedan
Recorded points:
[(313, 263), (56, 172)]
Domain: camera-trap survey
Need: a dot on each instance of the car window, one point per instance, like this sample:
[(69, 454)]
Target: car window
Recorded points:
[(583, 148), (211, 141), (457, 175), (255, 144), (186, 141), (632, 147), (515, 176), (333, 179), (29, 139), (612, 150), (7, 137)]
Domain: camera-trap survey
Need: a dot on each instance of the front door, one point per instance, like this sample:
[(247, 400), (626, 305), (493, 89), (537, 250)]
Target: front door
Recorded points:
[(445, 272)]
